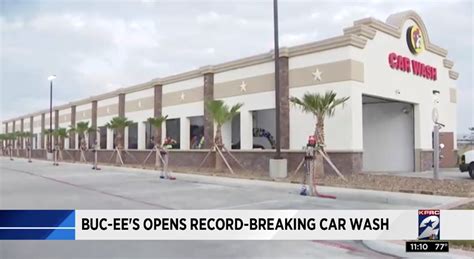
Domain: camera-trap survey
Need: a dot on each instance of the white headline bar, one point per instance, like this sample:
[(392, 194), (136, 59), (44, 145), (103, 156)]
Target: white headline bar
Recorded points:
[(267, 225)]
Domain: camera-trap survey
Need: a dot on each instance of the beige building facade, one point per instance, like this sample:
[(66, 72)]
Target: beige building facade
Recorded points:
[(390, 71)]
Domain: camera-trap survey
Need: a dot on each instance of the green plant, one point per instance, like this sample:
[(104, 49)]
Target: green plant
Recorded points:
[(321, 106), (156, 122), (221, 113), (61, 134), (118, 124), (82, 128)]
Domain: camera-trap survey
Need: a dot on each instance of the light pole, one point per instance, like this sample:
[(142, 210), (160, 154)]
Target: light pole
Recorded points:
[(435, 135), (277, 80), (50, 78)]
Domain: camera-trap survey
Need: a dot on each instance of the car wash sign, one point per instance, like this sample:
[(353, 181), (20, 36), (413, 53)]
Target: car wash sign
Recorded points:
[(416, 45)]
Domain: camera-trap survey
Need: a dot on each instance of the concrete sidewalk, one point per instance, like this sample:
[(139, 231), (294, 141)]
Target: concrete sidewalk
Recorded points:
[(445, 173)]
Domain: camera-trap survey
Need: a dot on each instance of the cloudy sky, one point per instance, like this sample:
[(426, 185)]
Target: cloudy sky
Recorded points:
[(98, 46)]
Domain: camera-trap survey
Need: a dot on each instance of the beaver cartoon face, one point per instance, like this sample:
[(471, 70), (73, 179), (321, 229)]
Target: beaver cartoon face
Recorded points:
[(415, 39)]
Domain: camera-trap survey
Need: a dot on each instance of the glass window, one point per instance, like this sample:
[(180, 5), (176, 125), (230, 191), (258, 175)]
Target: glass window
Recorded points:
[(133, 136), (149, 135), (196, 132), (236, 132), (103, 137), (172, 133), (264, 129)]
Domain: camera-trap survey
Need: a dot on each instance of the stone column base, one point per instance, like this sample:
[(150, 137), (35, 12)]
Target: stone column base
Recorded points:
[(278, 168)]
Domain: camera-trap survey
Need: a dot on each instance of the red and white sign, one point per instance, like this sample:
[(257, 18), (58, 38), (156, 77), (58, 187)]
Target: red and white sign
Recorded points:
[(405, 64)]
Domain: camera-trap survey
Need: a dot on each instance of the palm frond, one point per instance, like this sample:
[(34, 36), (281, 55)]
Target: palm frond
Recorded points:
[(319, 105), (119, 123), (221, 113), (157, 121)]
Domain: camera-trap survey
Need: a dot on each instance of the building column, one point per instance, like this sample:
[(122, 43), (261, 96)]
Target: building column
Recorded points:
[(284, 101), (56, 126), (246, 132), (227, 134), (184, 136), (208, 120), (93, 135), (22, 124), (110, 139), (125, 138), (157, 108), (6, 131), (72, 136), (121, 113), (13, 131), (42, 138), (31, 132), (141, 136)]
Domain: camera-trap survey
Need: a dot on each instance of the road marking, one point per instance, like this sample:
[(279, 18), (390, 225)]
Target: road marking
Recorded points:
[(92, 189)]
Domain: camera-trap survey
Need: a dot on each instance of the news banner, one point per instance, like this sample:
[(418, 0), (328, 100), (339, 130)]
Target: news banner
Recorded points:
[(428, 229)]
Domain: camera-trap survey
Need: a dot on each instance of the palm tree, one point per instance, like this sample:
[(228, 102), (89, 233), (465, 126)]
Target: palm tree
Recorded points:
[(26, 135), (118, 124), (156, 122), (321, 106), (82, 129), (221, 113), (10, 137), (46, 134), (18, 136), (3, 138), (61, 134)]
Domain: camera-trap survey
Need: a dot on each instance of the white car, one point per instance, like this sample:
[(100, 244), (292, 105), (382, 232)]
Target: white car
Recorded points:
[(467, 163)]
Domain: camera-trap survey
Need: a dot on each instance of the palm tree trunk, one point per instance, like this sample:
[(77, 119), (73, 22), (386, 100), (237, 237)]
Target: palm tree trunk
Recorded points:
[(119, 146), (157, 141), (319, 133), (218, 144)]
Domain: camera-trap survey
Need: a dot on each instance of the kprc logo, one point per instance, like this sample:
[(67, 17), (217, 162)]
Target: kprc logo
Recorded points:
[(428, 224)]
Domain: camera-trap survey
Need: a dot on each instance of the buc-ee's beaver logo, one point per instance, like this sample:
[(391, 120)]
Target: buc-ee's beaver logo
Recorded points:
[(415, 40)]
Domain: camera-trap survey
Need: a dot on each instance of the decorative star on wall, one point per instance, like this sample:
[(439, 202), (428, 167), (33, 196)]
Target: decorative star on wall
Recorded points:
[(182, 97), (243, 87), (317, 75)]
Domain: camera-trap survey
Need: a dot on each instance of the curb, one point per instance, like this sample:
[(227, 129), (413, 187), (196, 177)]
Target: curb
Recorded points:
[(394, 198)]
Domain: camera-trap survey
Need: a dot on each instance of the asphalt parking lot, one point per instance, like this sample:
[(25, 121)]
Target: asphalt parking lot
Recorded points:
[(40, 185)]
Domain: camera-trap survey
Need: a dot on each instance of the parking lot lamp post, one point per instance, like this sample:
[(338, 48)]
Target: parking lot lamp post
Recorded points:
[(50, 78)]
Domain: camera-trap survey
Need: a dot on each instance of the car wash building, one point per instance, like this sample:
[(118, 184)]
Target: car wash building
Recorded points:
[(390, 70)]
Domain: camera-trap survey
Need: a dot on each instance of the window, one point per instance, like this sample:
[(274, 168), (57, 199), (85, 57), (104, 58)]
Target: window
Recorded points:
[(264, 129), (236, 132), (196, 132), (149, 135), (103, 137), (173, 133), (133, 136), (34, 145)]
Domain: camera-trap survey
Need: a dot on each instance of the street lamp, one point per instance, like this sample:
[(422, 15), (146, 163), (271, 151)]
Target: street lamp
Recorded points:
[(50, 79), (436, 128), (277, 79)]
